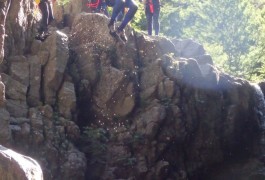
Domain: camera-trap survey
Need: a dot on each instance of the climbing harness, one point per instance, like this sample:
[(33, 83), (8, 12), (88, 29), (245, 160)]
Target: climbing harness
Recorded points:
[(151, 6), (92, 4)]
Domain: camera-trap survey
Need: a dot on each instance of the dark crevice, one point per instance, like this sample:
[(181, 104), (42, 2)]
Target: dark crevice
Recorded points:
[(42, 94), (85, 114), (136, 74)]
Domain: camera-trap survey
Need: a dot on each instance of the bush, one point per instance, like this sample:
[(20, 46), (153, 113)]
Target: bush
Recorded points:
[(62, 2)]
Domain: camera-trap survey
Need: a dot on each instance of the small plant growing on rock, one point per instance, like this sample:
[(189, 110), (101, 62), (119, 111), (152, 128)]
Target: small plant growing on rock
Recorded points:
[(130, 161), (167, 102), (136, 140), (96, 139), (127, 161)]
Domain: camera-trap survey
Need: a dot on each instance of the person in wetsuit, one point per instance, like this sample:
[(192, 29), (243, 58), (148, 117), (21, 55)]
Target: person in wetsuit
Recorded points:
[(118, 6), (152, 11), (98, 6), (102, 8), (46, 9)]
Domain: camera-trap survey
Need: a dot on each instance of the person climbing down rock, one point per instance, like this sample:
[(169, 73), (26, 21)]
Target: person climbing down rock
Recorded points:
[(152, 11), (118, 6), (46, 10)]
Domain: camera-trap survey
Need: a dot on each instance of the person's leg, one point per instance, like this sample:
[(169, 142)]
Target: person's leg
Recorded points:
[(156, 20), (45, 16), (129, 15), (51, 17), (121, 15), (149, 19), (119, 4)]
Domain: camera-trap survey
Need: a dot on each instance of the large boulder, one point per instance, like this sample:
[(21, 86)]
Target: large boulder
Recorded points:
[(19, 69), (90, 29), (188, 48), (16, 166)]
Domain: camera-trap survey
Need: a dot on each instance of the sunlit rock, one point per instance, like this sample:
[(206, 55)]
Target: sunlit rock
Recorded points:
[(19, 69), (15, 90), (90, 29), (16, 166), (188, 48), (57, 46), (2, 92)]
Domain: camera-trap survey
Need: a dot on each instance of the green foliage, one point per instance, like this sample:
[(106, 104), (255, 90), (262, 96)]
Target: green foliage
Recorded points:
[(139, 21), (62, 2), (227, 28), (131, 161), (232, 31), (97, 139)]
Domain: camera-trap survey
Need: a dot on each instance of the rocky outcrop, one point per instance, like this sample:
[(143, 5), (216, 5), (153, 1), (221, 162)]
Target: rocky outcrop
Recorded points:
[(168, 112), (34, 101), (87, 107)]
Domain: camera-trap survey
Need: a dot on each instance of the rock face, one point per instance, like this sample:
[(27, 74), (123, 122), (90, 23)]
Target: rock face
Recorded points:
[(87, 107), (4, 6), (36, 119), (166, 116), (16, 166), (18, 27)]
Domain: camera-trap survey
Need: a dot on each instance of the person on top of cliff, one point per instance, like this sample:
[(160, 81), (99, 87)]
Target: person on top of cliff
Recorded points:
[(118, 6), (152, 11), (46, 10), (98, 6)]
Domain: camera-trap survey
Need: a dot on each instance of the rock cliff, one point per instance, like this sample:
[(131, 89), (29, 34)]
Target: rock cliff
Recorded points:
[(86, 107)]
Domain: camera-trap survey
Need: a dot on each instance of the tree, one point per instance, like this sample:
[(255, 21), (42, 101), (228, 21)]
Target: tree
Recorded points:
[(230, 30)]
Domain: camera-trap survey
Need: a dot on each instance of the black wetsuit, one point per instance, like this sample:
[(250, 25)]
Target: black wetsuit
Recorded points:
[(118, 6), (47, 15)]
